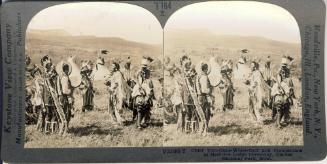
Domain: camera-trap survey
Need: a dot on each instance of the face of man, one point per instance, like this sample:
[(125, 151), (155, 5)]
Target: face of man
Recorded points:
[(115, 67), (187, 66), (37, 73), (223, 73), (205, 68), (128, 65), (66, 69), (143, 69), (268, 65), (145, 73), (285, 72), (284, 67), (48, 66), (167, 60), (253, 67)]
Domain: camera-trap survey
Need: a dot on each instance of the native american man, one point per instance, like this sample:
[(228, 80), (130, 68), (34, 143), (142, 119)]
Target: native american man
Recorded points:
[(267, 73), (204, 92), (256, 92), (188, 83), (30, 70), (172, 98), (282, 93), (86, 87), (65, 91), (119, 94), (51, 76), (38, 101), (143, 93), (226, 88)]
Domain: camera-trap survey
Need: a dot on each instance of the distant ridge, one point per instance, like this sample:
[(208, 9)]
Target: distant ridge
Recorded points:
[(63, 38), (207, 33), (53, 32), (60, 44), (201, 39)]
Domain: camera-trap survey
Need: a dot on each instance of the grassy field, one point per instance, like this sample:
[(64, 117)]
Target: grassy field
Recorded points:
[(236, 128), (95, 129), (230, 128)]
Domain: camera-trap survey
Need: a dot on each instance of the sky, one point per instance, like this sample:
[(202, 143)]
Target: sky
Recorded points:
[(102, 19), (130, 22), (238, 18)]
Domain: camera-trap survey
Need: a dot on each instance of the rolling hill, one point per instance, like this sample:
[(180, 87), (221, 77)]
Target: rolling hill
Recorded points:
[(60, 44), (199, 42)]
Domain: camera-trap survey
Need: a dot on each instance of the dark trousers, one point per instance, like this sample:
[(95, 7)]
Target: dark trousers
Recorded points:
[(143, 112), (184, 116), (88, 100), (228, 98), (41, 118), (67, 107), (111, 109), (189, 113), (205, 102), (280, 111), (50, 113)]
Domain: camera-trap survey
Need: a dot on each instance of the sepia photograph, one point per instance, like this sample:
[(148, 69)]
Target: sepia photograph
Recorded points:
[(92, 77), (232, 76), (163, 81), (106, 74)]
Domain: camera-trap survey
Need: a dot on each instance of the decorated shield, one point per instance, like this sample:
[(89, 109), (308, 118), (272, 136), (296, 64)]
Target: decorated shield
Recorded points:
[(75, 76)]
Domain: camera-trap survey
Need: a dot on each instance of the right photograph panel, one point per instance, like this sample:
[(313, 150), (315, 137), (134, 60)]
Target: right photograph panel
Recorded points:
[(232, 76)]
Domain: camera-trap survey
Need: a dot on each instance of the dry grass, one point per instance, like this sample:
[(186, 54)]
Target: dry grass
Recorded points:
[(95, 129), (236, 128)]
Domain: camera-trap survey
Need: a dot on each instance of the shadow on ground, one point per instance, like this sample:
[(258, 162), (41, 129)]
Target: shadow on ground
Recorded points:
[(94, 129), (153, 123), (156, 123), (293, 121), (233, 128), (296, 121)]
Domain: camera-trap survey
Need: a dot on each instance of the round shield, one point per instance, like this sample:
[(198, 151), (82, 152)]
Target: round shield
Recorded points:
[(75, 76), (59, 68), (214, 75)]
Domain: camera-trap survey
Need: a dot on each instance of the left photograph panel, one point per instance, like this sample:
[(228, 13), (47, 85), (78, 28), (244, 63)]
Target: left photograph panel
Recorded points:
[(93, 77)]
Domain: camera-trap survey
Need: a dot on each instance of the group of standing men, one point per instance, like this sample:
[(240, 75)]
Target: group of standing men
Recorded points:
[(190, 92), (50, 93), (126, 92), (275, 91)]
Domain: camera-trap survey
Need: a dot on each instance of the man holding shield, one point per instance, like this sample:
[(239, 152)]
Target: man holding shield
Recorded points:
[(65, 91)]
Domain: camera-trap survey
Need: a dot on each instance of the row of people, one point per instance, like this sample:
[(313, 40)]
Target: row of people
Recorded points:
[(135, 94), (50, 93), (186, 87), (189, 91)]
